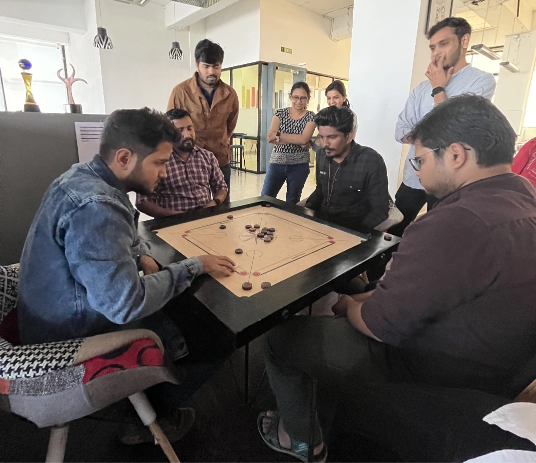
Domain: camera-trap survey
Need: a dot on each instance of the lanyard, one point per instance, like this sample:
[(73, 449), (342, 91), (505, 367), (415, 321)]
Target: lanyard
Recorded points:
[(330, 190)]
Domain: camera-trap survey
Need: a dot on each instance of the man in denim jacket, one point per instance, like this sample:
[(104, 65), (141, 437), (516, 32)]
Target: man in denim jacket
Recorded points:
[(80, 263)]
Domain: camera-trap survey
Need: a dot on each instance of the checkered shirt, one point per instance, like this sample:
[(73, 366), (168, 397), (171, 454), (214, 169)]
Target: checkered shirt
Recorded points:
[(188, 185)]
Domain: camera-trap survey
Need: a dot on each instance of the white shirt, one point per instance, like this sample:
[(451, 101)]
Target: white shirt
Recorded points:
[(421, 102)]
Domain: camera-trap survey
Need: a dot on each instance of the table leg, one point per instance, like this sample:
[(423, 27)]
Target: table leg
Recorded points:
[(312, 421), (246, 373)]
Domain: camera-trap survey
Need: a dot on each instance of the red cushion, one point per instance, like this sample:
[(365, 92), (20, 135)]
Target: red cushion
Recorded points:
[(9, 328), (140, 353)]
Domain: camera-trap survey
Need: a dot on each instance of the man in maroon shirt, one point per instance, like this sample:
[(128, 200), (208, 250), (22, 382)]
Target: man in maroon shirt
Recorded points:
[(457, 307)]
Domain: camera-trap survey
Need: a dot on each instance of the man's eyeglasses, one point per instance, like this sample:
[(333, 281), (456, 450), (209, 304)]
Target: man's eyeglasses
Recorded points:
[(416, 162), (299, 98)]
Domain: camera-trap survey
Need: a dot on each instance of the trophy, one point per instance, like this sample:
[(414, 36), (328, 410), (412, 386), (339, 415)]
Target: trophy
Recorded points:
[(71, 107), (30, 106)]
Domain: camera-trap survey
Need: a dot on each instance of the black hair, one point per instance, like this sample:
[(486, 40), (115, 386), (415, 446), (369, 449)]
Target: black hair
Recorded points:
[(208, 52), (461, 27), (301, 85), (470, 120), (341, 119), (177, 113), (338, 86), (139, 130)]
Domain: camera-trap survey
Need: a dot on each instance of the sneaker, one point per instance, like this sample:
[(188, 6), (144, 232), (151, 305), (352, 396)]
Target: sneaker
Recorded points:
[(174, 426)]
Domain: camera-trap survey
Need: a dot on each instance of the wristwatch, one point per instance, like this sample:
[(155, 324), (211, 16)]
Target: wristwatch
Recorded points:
[(437, 90), (277, 137), (217, 201)]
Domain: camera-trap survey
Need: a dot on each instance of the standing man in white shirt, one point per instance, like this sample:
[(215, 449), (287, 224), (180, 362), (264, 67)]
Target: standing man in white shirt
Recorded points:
[(449, 74)]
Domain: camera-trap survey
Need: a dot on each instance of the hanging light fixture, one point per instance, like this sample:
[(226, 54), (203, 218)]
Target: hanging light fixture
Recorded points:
[(510, 66), (175, 52), (102, 40), (485, 51)]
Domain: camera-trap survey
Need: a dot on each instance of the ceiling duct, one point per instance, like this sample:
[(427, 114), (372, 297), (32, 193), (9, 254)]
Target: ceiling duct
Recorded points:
[(198, 3)]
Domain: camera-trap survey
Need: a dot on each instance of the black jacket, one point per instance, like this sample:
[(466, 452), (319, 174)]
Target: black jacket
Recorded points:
[(357, 188)]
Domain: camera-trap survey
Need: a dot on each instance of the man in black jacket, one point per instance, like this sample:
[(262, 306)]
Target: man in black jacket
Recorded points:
[(351, 179)]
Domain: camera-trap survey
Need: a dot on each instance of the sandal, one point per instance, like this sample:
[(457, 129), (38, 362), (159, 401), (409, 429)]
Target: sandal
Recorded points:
[(298, 449)]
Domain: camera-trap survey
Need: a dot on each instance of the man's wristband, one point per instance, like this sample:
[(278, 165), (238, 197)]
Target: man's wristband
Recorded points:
[(217, 201), (437, 90)]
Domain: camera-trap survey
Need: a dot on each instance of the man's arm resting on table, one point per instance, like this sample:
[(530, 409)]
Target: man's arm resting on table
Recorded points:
[(154, 210), (221, 195)]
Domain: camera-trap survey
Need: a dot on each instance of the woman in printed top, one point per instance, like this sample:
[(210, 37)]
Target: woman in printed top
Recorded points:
[(336, 96), (290, 133)]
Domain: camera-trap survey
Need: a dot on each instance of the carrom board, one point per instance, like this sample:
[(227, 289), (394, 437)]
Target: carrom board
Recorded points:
[(298, 244)]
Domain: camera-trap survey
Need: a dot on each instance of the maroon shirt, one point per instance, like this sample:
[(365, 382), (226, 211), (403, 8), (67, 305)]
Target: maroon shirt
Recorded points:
[(463, 282)]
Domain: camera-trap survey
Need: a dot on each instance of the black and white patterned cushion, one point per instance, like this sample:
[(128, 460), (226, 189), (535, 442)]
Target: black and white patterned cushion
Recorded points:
[(33, 360), (36, 360)]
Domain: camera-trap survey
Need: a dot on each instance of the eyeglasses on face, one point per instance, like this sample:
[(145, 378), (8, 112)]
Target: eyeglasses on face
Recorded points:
[(416, 162), (298, 98)]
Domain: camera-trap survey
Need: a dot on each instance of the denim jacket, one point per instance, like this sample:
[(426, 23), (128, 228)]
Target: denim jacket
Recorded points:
[(79, 268)]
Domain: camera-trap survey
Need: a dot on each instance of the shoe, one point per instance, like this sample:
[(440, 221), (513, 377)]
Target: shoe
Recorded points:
[(174, 426), (299, 450)]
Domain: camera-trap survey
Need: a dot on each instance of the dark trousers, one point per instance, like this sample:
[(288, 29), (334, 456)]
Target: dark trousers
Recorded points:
[(350, 367), (226, 171), (410, 201)]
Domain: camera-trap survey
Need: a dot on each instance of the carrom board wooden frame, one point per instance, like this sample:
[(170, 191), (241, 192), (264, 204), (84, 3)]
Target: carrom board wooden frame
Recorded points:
[(245, 318)]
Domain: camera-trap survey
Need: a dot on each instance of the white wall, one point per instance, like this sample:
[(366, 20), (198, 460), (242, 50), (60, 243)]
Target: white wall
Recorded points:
[(513, 89), (284, 24), (65, 15), (137, 71), (236, 29), (86, 60), (383, 69)]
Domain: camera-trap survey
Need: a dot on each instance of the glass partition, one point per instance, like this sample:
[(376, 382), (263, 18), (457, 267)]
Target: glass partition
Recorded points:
[(262, 88)]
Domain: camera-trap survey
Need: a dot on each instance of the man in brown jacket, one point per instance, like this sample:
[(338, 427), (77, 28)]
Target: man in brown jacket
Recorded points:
[(212, 104)]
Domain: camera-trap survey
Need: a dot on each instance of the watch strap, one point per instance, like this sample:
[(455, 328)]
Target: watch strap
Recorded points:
[(437, 90)]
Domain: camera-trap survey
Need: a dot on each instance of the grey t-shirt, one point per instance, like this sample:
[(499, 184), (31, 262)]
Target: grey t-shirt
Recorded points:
[(421, 102)]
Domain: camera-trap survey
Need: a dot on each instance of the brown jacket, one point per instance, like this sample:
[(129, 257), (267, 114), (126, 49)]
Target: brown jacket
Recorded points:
[(213, 125)]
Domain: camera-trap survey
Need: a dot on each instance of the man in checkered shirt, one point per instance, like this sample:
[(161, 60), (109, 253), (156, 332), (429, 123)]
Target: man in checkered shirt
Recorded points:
[(194, 179)]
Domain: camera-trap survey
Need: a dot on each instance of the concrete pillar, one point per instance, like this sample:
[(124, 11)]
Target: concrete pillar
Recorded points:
[(388, 44)]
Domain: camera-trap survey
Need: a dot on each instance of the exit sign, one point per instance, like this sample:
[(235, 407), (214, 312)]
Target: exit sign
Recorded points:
[(286, 50)]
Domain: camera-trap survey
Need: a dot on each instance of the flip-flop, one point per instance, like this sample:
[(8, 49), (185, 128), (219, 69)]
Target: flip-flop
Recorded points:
[(298, 449)]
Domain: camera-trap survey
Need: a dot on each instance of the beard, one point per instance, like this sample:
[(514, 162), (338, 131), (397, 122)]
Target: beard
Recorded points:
[(136, 183), (453, 59), (441, 188), (212, 82), (186, 145)]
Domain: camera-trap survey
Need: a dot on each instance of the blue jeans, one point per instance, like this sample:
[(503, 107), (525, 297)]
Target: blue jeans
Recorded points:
[(295, 176)]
